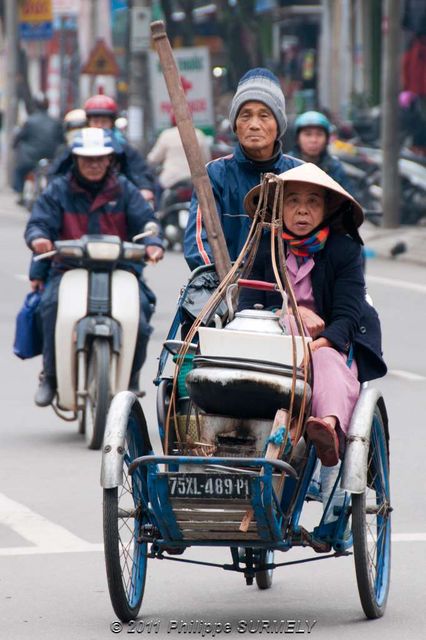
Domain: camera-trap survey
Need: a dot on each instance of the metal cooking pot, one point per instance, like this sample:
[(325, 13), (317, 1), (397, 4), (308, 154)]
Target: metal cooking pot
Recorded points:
[(257, 321)]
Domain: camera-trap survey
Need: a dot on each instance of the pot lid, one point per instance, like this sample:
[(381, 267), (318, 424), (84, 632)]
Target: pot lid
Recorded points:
[(258, 314)]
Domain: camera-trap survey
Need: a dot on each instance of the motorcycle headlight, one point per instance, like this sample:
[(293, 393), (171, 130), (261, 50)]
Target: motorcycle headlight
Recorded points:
[(103, 251)]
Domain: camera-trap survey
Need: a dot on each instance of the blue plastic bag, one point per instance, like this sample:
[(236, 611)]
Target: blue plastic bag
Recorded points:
[(28, 339)]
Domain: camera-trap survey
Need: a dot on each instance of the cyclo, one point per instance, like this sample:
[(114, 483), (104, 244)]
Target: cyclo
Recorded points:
[(237, 465)]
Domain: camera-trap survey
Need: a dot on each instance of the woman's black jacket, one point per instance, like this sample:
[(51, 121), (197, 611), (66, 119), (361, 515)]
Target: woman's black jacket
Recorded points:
[(339, 291)]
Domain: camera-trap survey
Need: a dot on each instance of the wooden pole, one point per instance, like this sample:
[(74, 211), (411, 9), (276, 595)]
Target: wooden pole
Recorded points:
[(389, 101), (193, 153)]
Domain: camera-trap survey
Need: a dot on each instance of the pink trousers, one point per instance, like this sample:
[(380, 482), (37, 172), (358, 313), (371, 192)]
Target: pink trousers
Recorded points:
[(335, 386)]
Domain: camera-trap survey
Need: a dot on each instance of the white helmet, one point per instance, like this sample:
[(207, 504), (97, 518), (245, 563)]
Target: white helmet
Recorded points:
[(92, 141)]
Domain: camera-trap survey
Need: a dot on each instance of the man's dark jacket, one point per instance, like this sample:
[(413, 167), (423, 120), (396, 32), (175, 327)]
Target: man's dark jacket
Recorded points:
[(66, 211), (231, 178), (39, 138), (339, 292)]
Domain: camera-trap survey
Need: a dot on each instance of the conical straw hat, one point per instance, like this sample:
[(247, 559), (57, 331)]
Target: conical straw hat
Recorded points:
[(310, 173)]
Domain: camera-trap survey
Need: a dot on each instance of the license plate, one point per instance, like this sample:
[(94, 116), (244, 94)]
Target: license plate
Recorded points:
[(204, 485), (183, 218)]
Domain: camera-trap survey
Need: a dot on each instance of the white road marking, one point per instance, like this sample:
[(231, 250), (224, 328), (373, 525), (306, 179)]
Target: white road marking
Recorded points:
[(44, 536), (393, 282), (408, 537), (407, 375), (86, 547), (21, 276)]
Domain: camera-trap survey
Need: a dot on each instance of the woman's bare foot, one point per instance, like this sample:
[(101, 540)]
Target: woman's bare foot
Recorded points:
[(322, 433)]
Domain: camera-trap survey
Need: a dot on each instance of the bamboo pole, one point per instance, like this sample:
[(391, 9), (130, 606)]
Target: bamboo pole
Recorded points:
[(193, 153)]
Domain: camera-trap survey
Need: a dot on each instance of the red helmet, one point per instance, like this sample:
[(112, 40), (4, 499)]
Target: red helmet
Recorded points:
[(101, 105)]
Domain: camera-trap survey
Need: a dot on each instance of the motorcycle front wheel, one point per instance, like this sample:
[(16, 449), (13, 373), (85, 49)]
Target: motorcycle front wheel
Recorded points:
[(98, 392)]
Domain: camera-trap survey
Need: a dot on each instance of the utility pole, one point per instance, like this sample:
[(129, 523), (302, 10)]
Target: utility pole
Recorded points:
[(94, 27), (140, 116), (389, 101), (11, 110)]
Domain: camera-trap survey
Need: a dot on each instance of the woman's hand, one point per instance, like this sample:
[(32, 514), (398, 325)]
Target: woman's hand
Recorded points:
[(313, 323), (320, 342)]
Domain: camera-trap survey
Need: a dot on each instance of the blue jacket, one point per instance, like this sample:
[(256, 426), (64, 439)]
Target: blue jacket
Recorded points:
[(66, 211), (231, 178), (339, 291), (333, 167)]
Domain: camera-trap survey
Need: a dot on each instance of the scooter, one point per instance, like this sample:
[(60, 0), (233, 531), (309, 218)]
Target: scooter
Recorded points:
[(96, 327), (35, 183), (173, 213)]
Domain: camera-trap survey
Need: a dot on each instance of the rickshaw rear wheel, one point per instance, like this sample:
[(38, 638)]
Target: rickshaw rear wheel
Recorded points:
[(371, 526), (123, 518), (264, 577)]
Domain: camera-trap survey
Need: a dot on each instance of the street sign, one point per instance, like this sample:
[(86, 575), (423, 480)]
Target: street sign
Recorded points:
[(140, 37), (66, 7), (101, 61), (195, 73), (35, 19)]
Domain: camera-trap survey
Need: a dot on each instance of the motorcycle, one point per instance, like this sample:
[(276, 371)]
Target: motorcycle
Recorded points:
[(96, 327), (364, 166), (35, 183), (173, 213)]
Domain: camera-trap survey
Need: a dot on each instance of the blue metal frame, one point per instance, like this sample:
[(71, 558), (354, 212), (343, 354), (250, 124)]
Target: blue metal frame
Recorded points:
[(264, 501)]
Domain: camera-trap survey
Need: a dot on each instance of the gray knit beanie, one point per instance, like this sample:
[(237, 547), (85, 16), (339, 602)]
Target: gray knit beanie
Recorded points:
[(263, 86)]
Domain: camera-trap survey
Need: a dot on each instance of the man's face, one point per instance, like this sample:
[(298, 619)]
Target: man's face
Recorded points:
[(312, 141), (93, 168), (304, 207), (257, 130), (100, 122)]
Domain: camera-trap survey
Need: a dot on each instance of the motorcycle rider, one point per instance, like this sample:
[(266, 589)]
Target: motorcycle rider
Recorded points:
[(38, 138), (101, 112), (168, 152), (74, 121), (258, 117), (312, 131), (91, 198)]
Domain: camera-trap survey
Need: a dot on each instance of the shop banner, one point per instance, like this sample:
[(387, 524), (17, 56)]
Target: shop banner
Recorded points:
[(194, 68)]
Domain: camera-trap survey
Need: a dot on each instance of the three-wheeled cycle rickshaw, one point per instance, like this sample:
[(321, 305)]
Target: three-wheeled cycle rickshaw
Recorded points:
[(237, 466)]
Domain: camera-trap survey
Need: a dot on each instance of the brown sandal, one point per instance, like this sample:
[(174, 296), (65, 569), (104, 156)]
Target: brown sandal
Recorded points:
[(325, 440)]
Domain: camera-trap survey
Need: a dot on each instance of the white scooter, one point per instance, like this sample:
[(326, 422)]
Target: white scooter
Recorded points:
[(96, 327)]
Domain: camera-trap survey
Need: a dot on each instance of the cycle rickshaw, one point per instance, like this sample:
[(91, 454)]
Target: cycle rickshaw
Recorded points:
[(231, 473)]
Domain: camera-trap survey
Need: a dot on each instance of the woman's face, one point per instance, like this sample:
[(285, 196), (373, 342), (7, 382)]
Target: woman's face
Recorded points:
[(312, 141), (304, 207)]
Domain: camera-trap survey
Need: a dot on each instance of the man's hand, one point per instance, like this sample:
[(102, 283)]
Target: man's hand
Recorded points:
[(154, 254), (37, 285), (41, 245), (148, 195), (313, 323)]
